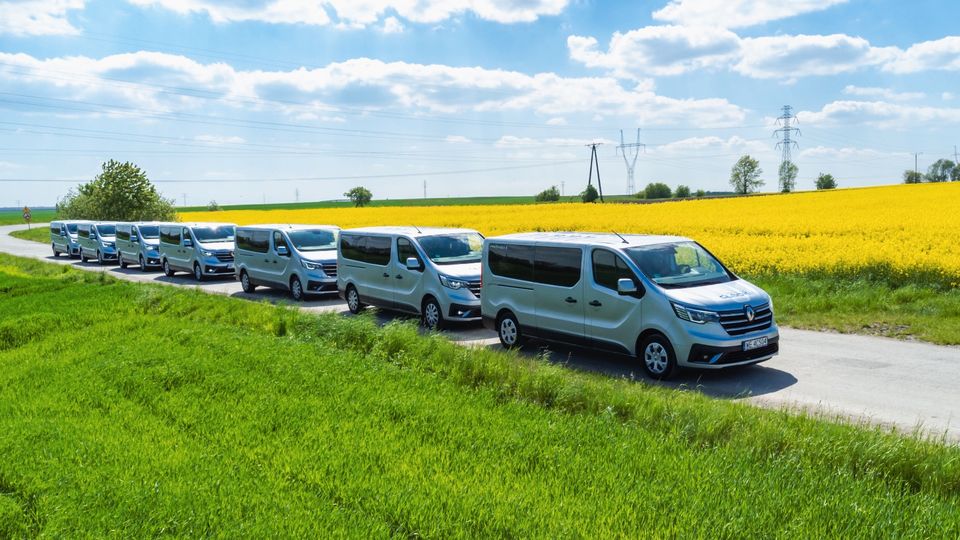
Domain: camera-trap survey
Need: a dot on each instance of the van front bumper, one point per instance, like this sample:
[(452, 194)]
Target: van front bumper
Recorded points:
[(464, 312), (322, 285), (218, 269), (728, 352)]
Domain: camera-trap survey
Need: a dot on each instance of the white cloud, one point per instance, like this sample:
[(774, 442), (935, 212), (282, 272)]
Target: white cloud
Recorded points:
[(219, 139), (692, 146), (392, 25), (736, 13), (457, 139), (883, 93), (657, 50), (845, 153), (947, 96), (38, 17), (356, 83), (941, 54), (879, 114), (354, 13), (557, 121), (804, 55)]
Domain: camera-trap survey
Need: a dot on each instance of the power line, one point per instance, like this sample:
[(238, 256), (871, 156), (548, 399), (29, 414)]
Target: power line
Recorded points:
[(631, 162)]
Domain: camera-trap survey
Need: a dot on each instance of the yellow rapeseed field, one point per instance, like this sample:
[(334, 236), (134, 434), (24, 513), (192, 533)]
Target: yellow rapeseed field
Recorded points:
[(906, 233)]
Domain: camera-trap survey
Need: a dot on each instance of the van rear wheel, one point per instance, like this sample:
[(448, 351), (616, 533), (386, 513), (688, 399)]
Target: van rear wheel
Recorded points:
[(508, 330), (659, 360), (353, 300)]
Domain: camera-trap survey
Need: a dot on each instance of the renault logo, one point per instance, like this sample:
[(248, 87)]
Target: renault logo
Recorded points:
[(749, 313)]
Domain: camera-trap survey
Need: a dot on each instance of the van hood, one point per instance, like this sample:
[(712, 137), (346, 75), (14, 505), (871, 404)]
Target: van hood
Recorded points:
[(720, 297), (217, 246), (108, 238), (152, 243), (467, 271), (326, 256)]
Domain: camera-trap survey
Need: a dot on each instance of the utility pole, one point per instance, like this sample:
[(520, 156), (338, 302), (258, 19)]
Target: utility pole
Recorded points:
[(916, 161), (956, 158), (562, 185), (630, 162), (424, 189), (595, 159), (296, 194), (786, 131)]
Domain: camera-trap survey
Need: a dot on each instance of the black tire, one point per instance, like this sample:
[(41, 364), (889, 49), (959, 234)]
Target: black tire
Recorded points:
[(83, 258), (55, 252), (143, 263), (658, 358), (197, 272), (245, 283), (508, 330), (353, 300), (296, 289), (123, 263), (431, 314), (167, 269), (100, 260)]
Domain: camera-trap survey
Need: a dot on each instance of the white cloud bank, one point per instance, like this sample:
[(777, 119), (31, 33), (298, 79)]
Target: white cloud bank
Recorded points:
[(736, 13), (38, 17)]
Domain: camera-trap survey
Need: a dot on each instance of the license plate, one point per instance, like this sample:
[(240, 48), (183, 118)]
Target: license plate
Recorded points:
[(757, 343)]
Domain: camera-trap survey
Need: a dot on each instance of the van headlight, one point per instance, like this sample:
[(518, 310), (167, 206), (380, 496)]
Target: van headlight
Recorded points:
[(206, 253), (697, 316), (107, 244), (311, 265), (452, 283)]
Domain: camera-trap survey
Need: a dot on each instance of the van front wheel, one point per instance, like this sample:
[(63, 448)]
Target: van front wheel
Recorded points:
[(123, 263), (353, 300), (296, 289), (55, 252), (197, 272), (659, 360), (508, 330), (431, 314), (167, 270), (245, 283)]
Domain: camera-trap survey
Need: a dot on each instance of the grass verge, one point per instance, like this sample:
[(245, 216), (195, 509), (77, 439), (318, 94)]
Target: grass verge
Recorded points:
[(175, 412), (35, 234)]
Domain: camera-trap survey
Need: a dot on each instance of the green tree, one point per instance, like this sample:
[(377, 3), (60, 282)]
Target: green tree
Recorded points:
[(826, 181), (701, 193), (548, 195), (912, 177), (121, 192), (359, 196), (657, 190), (788, 176), (590, 194), (213, 206), (682, 192), (940, 171), (745, 175)]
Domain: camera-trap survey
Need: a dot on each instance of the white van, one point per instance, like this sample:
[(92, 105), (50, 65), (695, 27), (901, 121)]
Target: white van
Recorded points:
[(97, 240), (139, 243), (299, 258), (432, 272), (63, 237), (203, 249), (664, 299)]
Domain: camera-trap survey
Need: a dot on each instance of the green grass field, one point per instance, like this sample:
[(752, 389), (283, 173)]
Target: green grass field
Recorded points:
[(136, 410), (13, 217)]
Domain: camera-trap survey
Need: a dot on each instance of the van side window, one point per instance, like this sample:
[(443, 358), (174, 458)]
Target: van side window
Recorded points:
[(279, 240), (257, 241), (54, 228), (83, 232), (123, 233), (608, 268), (405, 250), (368, 249), (170, 236), (186, 234), (511, 261), (557, 265)]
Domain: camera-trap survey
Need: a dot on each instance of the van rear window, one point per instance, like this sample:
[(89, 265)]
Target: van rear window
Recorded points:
[(368, 249), (548, 265)]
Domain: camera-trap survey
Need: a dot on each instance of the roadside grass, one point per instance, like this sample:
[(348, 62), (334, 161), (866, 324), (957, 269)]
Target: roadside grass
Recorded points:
[(134, 410), (839, 304)]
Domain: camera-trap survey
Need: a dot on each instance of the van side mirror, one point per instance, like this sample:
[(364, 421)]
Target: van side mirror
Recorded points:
[(283, 251), (626, 286), (187, 242), (134, 238), (413, 263)]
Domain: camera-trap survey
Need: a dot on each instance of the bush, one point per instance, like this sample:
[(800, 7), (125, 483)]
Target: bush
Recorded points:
[(912, 177), (359, 196), (657, 190), (212, 206), (701, 193), (590, 194), (121, 192), (826, 181), (682, 192), (548, 195)]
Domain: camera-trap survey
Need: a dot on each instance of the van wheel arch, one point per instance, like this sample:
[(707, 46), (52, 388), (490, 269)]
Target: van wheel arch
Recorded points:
[(671, 351), (503, 314), (423, 313), (303, 293)]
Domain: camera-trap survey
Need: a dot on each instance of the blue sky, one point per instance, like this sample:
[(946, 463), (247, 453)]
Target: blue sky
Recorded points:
[(274, 100)]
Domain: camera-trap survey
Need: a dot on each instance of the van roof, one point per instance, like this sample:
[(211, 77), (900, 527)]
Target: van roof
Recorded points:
[(288, 226), (71, 221), (409, 231), (591, 238), (146, 223), (200, 224)]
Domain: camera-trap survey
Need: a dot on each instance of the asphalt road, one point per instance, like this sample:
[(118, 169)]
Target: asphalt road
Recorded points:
[(908, 385)]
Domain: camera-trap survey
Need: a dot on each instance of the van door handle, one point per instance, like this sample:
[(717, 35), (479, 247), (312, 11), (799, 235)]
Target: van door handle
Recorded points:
[(596, 303), (399, 276), (385, 274), (570, 300)]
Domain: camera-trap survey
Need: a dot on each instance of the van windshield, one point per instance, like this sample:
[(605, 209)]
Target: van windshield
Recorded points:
[(678, 265), (150, 231), (222, 233), (72, 228), (313, 240), (107, 230), (458, 248)]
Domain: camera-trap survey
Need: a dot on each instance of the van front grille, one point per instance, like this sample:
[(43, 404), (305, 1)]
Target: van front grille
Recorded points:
[(224, 257), (330, 269), (475, 287), (736, 323)]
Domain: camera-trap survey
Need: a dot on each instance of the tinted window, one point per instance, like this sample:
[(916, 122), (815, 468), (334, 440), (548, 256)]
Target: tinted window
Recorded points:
[(107, 230), (54, 228), (457, 248), (220, 233), (170, 236), (123, 233), (313, 240), (557, 265), (405, 250), (511, 261), (608, 268), (149, 231), (370, 249), (279, 240), (72, 228), (257, 241), (83, 232)]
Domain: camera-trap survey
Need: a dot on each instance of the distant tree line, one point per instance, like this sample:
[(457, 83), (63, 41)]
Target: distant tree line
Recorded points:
[(941, 170)]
